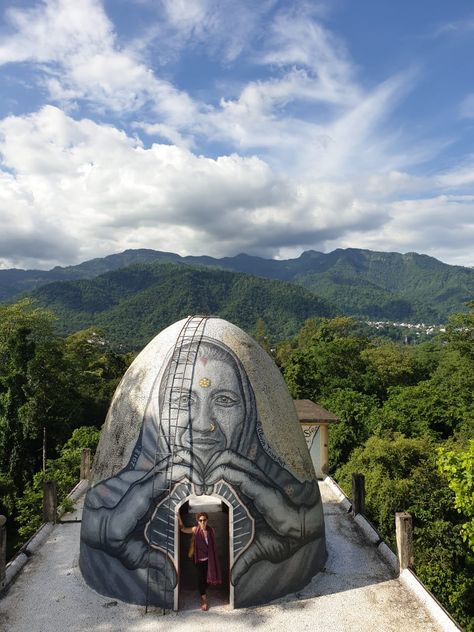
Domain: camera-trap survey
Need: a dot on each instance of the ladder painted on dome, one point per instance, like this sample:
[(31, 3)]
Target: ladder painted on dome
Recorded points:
[(177, 378)]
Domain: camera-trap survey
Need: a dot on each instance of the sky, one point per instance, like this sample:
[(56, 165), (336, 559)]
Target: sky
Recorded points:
[(218, 127)]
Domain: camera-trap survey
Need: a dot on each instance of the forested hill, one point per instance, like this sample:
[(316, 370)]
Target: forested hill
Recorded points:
[(361, 283), (132, 304)]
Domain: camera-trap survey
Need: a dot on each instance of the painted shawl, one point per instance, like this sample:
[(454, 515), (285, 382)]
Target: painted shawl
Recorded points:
[(213, 567)]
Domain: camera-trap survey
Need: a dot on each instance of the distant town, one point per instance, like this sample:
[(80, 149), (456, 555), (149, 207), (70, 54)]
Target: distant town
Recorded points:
[(407, 331)]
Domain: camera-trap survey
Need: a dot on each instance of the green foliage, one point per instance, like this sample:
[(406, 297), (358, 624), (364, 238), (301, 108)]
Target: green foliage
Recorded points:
[(261, 336), (396, 404), (460, 333), (390, 364), (97, 371), (48, 388), (34, 389), (401, 474), (362, 283), (414, 411), (440, 406), (326, 357), (390, 466), (353, 409), (133, 304), (458, 466), (377, 285), (64, 470), (444, 566)]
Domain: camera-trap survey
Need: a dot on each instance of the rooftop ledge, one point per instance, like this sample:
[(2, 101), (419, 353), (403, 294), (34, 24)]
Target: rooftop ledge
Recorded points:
[(359, 590)]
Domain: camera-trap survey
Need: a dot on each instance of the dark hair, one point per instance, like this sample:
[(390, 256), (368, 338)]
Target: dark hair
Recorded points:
[(202, 513)]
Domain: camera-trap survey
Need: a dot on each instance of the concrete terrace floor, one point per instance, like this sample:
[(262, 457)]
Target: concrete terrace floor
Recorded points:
[(357, 591)]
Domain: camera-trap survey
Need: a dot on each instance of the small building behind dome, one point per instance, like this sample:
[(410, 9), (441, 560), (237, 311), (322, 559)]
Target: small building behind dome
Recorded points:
[(315, 421), (202, 418)]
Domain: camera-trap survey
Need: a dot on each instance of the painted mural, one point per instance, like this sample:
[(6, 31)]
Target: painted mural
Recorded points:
[(201, 434)]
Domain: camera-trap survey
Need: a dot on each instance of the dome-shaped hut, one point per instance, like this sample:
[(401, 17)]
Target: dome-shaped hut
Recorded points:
[(202, 414)]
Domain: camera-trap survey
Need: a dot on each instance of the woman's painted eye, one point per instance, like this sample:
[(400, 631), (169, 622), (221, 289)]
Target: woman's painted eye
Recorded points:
[(226, 400), (182, 401)]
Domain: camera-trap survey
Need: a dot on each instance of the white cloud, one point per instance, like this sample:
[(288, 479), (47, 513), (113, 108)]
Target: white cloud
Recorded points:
[(455, 27), (74, 189), (321, 165), (309, 118), (74, 45), (466, 109), (56, 29), (105, 191), (343, 143), (441, 226), (224, 27), (460, 176), (297, 39)]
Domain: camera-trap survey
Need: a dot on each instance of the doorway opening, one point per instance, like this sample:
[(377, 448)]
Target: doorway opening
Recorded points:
[(218, 512)]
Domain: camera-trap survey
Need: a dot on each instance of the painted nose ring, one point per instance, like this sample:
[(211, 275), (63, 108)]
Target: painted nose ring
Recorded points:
[(212, 427)]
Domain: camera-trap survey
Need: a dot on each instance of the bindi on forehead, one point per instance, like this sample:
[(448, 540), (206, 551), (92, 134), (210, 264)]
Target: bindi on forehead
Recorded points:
[(204, 360)]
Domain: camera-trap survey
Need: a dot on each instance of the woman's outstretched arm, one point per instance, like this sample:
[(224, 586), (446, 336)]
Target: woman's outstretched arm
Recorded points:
[(183, 528)]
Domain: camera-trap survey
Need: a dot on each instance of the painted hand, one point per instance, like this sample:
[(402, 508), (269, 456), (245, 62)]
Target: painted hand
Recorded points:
[(115, 508), (289, 526)]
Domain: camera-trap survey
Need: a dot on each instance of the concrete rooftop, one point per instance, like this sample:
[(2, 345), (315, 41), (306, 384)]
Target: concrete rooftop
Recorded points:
[(357, 591)]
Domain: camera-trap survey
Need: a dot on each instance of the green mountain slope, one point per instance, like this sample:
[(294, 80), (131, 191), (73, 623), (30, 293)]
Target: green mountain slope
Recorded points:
[(362, 283), (390, 285), (134, 303)]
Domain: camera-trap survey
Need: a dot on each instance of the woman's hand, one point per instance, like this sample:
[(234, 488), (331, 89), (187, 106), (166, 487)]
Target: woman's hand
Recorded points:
[(115, 508), (276, 507), (288, 525)]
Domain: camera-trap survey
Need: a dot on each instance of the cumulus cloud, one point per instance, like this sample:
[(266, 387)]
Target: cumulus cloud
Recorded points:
[(95, 189), (75, 189), (307, 156), (79, 60), (310, 108)]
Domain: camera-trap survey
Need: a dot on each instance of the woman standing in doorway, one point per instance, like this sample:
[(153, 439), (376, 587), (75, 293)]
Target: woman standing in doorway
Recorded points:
[(204, 555)]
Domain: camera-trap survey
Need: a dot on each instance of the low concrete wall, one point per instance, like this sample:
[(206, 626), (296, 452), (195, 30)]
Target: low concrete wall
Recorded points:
[(407, 577), (366, 526), (15, 565)]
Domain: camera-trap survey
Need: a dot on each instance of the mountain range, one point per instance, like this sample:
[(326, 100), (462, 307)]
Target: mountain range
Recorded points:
[(366, 284), (132, 304)]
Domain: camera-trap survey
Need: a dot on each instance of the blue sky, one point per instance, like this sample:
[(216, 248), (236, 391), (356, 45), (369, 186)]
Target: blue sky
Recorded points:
[(225, 126)]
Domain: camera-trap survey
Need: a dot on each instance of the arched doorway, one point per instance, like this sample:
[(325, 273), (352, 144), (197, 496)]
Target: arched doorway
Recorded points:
[(235, 534)]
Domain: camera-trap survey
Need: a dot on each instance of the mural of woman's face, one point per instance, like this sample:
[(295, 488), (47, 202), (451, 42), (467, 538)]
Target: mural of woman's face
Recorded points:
[(212, 412)]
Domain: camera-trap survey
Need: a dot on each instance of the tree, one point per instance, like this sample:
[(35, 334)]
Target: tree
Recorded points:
[(261, 335), (389, 364), (460, 332), (64, 470), (35, 389), (97, 370), (354, 410), (401, 474), (458, 467), (327, 357)]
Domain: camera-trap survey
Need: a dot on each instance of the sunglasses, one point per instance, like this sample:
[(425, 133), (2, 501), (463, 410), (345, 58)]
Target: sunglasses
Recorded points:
[(202, 520)]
